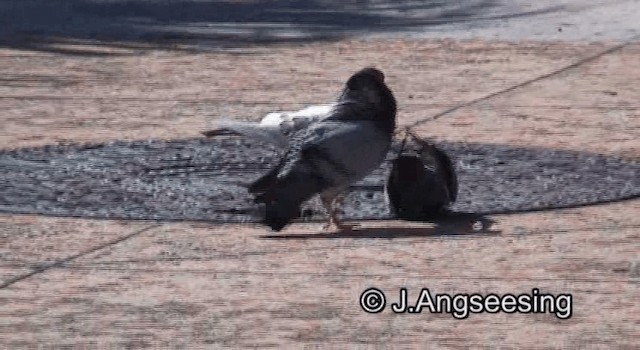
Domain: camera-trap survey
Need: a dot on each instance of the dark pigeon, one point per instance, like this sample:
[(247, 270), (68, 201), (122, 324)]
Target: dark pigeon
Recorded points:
[(331, 154), (422, 182)]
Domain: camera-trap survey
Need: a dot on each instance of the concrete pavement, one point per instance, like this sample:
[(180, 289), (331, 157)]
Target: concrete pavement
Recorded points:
[(79, 283)]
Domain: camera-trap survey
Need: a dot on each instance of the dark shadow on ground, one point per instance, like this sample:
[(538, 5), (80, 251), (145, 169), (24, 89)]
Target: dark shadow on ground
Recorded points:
[(205, 180), (47, 25)]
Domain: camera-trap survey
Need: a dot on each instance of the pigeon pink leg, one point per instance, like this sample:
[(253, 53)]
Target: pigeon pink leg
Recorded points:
[(331, 203)]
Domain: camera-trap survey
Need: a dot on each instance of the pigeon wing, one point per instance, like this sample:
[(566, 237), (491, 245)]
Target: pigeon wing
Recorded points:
[(340, 152)]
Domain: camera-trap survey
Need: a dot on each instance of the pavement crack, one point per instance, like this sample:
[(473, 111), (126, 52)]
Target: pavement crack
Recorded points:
[(526, 82), (59, 263)]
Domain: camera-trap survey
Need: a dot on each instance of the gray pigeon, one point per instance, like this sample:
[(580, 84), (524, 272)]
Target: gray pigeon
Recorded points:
[(331, 154), (275, 128), (422, 182)]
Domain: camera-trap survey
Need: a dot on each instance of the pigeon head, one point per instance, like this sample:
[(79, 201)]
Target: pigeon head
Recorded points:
[(365, 77), (366, 91)]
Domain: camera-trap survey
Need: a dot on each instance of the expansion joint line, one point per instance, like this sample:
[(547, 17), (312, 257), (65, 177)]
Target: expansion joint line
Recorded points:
[(61, 262), (526, 82)]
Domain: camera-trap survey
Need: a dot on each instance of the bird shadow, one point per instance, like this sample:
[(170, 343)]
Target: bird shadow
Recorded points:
[(449, 225)]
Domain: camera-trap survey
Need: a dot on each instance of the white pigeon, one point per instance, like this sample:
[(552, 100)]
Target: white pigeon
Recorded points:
[(275, 128)]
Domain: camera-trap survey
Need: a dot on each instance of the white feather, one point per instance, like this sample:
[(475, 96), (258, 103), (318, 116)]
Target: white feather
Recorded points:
[(275, 127)]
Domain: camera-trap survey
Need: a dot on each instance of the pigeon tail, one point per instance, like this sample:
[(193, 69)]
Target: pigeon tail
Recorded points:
[(284, 196), (280, 214)]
